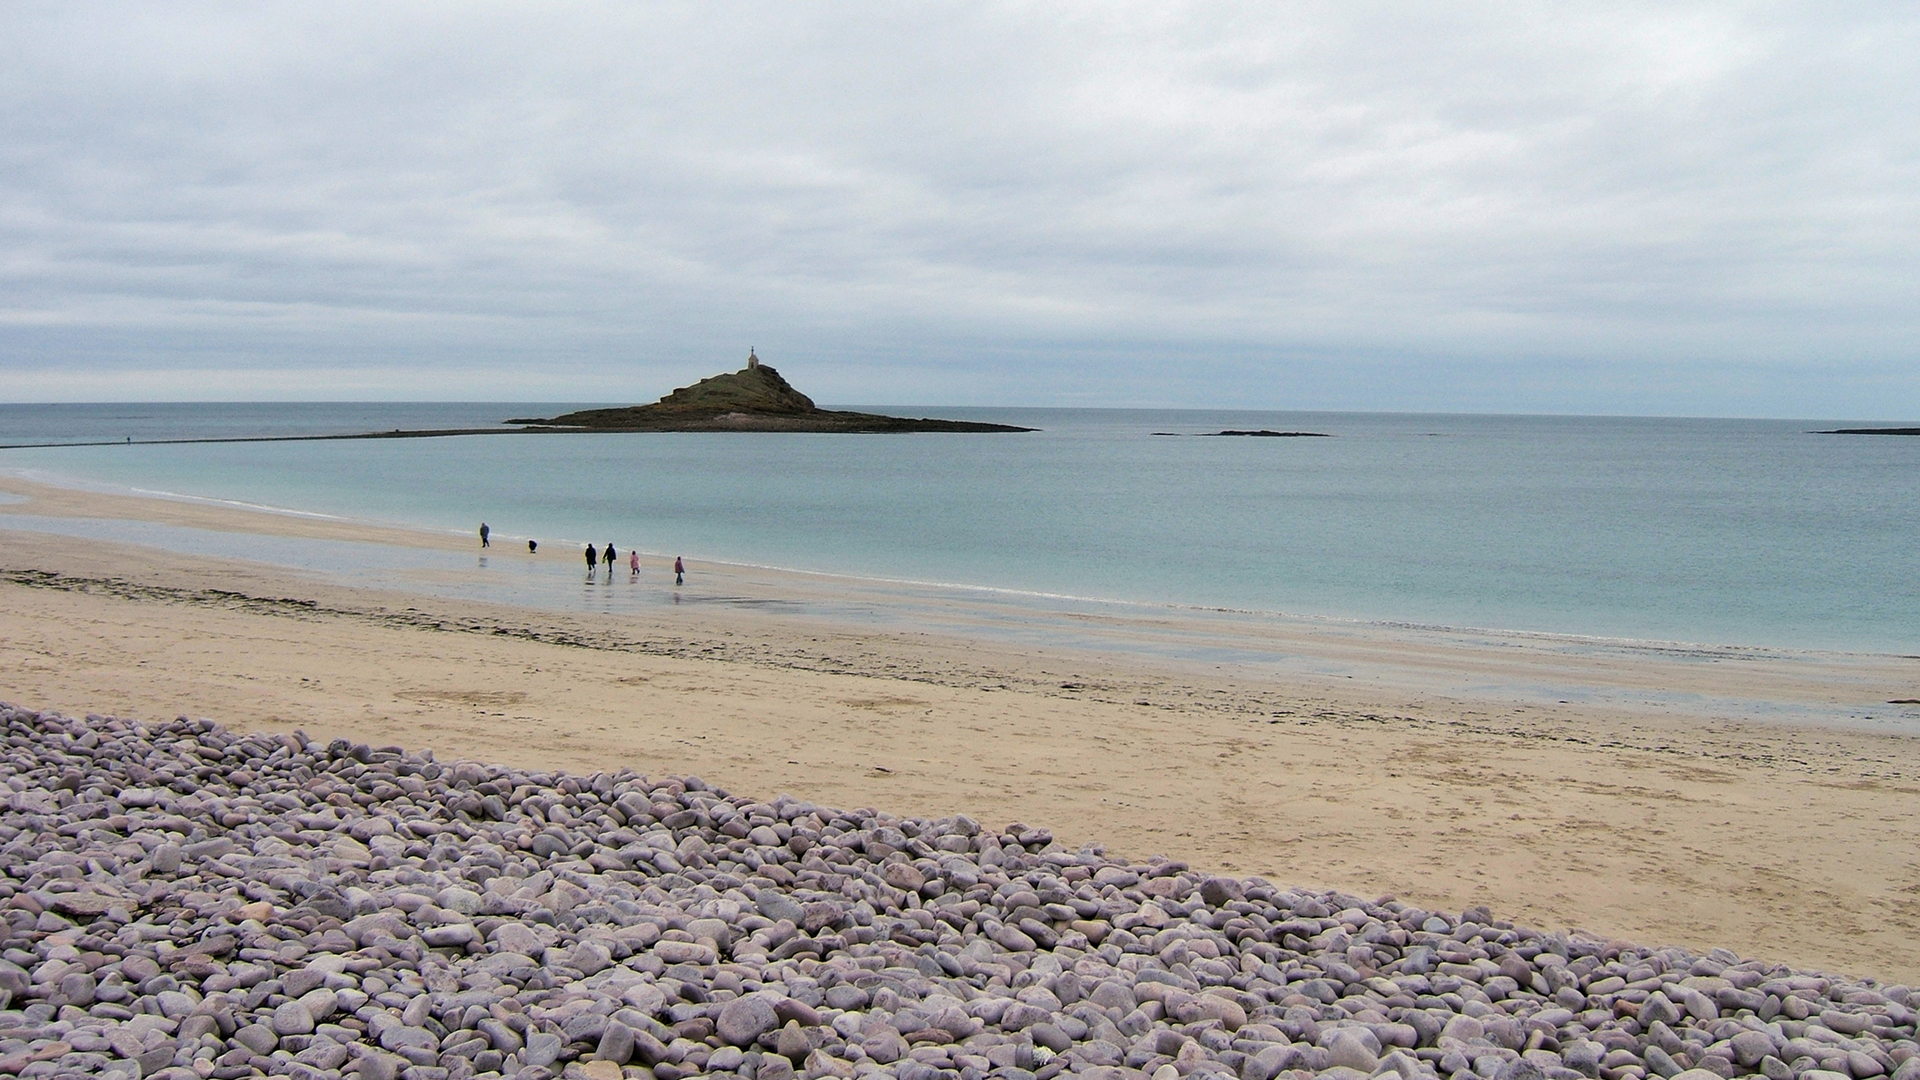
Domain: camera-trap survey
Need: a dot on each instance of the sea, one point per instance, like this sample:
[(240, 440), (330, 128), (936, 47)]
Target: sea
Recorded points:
[(1701, 531)]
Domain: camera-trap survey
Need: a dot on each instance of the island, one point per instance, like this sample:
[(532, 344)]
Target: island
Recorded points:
[(755, 398), (1871, 431)]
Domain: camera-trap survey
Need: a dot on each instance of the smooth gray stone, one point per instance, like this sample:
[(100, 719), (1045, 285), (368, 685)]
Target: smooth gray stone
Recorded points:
[(1750, 1046), (1660, 1063), (543, 1048), (792, 1043), (1347, 1049), (297, 983), (259, 1038), (884, 1045), (160, 1057), (648, 1047), (1862, 1065), (320, 1004), (584, 1027), (416, 1011), (401, 1037), (847, 997), (1051, 1037), (1269, 1062), (1658, 1009), (499, 1035), (208, 849), (1114, 994), (515, 937), (453, 935), (1583, 1056), (616, 1044), (166, 859), (793, 1009), (778, 906), (742, 1021)]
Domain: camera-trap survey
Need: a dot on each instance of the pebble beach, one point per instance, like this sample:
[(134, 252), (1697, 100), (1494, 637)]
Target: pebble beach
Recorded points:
[(184, 901)]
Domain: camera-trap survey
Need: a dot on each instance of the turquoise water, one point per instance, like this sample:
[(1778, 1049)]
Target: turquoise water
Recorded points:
[(1705, 531)]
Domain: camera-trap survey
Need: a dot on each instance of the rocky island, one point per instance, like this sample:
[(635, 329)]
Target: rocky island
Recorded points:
[(755, 398)]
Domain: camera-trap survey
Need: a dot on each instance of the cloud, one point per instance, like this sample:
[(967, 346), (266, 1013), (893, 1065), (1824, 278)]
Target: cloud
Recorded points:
[(1640, 208)]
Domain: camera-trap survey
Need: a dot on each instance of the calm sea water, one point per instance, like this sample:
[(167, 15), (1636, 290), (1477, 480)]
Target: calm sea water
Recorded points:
[(1708, 531)]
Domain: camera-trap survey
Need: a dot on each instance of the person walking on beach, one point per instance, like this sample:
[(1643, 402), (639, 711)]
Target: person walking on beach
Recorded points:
[(608, 557), (483, 534), (679, 571), (633, 564), (593, 560)]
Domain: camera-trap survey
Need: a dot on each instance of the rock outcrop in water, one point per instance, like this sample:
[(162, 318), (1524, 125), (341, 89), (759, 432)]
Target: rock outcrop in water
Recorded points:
[(182, 902), (755, 398), (1263, 433)]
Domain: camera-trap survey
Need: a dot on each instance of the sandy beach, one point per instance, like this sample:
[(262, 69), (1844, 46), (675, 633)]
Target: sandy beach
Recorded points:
[(1441, 768)]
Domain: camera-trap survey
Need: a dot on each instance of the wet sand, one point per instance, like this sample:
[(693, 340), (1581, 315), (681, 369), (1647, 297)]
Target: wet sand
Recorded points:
[(1439, 767)]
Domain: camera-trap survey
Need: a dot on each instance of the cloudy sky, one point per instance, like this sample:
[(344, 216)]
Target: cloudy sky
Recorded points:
[(1668, 208)]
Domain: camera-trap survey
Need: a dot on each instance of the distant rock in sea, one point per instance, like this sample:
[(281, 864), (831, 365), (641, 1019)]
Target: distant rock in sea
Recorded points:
[(755, 398), (1870, 431)]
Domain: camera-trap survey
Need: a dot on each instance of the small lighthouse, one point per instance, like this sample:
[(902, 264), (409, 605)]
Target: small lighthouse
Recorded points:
[(752, 360)]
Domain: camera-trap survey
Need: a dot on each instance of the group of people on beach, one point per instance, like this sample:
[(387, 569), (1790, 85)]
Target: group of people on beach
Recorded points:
[(595, 558), (611, 557)]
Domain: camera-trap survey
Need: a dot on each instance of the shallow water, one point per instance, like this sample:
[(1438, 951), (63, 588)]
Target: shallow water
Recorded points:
[(1711, 531)]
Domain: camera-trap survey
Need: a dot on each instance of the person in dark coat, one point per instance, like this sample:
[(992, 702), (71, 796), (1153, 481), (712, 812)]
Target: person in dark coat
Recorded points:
[(679, 571), (484, 531), (593, 559), (608, 556)]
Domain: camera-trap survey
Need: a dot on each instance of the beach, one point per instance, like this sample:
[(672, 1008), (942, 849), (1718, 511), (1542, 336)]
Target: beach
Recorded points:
[(1656, 823)]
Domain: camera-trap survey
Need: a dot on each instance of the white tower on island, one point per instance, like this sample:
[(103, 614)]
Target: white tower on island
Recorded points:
[(752, 360)]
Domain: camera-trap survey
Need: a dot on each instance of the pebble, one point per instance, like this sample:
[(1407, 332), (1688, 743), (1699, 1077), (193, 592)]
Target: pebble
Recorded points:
[(292, 1018), (743, 1020), (190, 903)]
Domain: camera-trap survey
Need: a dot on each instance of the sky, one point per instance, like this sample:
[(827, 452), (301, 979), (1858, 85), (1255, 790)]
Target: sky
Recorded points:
[(1705, 209)]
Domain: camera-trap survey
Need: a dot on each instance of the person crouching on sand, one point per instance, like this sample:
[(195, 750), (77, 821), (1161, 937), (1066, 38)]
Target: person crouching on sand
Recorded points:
[(593, 559)]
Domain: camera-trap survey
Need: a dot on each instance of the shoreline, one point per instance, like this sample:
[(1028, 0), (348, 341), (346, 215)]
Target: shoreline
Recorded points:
[(1170, 632), (1667, 822), (397, 433)]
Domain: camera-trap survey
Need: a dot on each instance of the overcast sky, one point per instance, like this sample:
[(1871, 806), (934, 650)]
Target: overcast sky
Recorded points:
[(1668, 208)]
